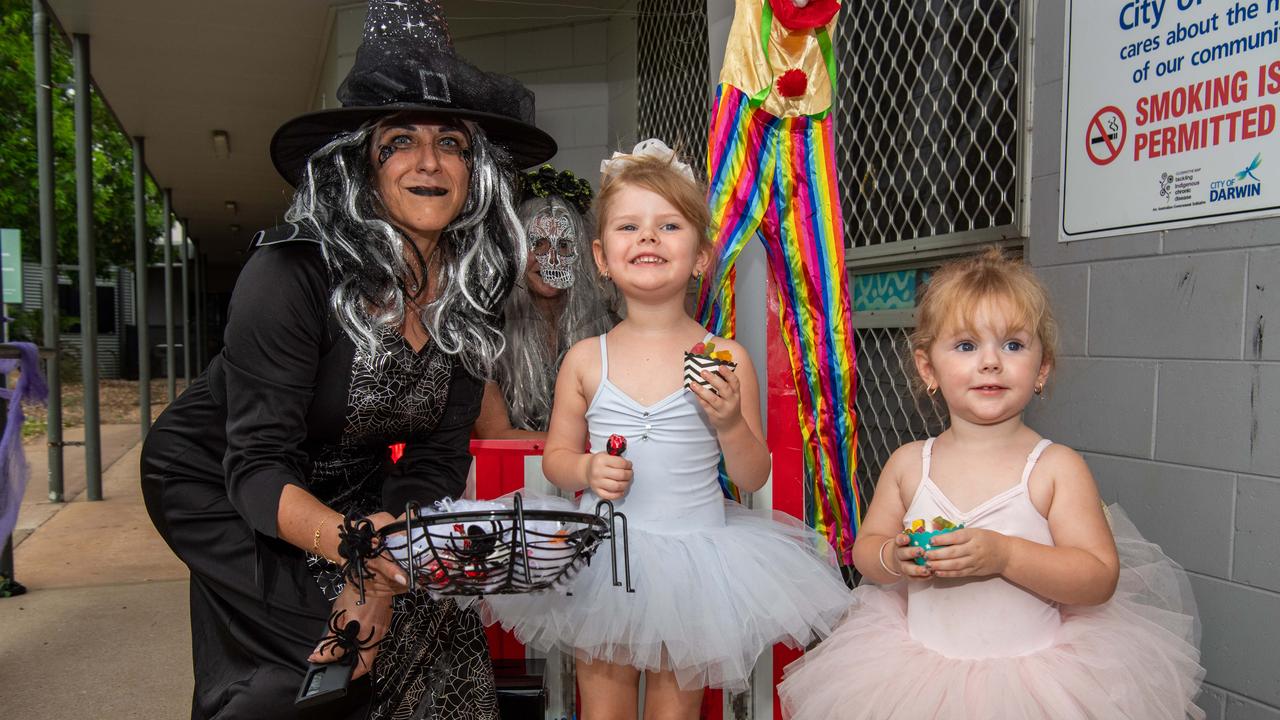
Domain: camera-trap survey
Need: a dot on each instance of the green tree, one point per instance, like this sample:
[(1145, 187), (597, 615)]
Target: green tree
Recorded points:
[(112, 153)]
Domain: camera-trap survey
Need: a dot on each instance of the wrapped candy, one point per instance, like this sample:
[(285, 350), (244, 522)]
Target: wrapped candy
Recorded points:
[(616, 446)]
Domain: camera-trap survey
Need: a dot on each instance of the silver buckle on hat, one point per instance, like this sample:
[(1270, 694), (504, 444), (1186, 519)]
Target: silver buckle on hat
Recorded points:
[(435, 86)]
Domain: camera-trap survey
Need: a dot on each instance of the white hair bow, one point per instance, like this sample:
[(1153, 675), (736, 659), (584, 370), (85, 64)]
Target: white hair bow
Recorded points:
[(653, 147)]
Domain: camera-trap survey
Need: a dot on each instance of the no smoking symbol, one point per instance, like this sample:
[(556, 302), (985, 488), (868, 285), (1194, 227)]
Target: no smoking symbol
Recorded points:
[(1105, 135)]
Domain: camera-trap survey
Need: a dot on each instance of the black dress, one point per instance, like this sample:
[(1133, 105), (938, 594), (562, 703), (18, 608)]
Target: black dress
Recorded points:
[(290, 401)]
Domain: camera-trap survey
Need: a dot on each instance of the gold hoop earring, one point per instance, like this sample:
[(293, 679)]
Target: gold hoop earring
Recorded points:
[(1039, 387), (931, 390), (604, 274)]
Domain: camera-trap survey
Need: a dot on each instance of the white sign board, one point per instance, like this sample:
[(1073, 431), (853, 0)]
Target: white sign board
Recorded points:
[(1169, 114)]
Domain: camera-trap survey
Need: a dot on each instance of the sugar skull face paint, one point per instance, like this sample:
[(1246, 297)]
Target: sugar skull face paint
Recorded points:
[(555, 249)]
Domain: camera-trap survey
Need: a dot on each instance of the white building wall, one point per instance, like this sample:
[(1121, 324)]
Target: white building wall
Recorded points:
[(582, 75), (566, 68)]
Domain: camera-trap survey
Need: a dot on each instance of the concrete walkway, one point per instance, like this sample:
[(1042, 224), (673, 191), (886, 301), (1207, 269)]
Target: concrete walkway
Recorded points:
[(103, 630)]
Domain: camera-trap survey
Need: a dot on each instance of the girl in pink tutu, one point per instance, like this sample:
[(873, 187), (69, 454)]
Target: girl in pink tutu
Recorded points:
[(1042, 604)]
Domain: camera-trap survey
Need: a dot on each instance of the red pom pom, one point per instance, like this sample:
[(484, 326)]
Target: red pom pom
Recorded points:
[(793, 83), (814, 14)]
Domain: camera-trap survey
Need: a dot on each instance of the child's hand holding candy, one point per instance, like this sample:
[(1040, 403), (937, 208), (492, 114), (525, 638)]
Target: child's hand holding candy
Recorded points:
[(723, 400), (968, 552), (904, 557), (608, 473), (608, 476)]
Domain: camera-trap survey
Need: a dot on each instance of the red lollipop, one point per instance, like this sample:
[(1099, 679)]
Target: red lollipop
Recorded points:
[(616, 446)]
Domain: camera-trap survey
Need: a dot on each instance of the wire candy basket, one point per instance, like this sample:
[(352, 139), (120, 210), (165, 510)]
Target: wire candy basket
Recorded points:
[(503, 550)]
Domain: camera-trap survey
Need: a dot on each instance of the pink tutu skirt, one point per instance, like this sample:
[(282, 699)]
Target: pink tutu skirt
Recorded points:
[(1134, 657)]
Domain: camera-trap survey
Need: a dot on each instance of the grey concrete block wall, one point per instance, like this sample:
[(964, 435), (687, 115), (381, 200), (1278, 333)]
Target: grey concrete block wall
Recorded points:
[(1199, 502), (1114, 417), (1237, 642), (1263, 301), (1183, 306), (1170, 385), (1241, 709), (1069, 287), (1257, 534), (1214, 703), (1220, 415)]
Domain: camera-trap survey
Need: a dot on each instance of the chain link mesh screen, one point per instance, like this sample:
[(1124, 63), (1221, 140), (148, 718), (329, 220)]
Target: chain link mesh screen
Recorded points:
[(929, 144), (671, 76), (889, 413), (928, 117)]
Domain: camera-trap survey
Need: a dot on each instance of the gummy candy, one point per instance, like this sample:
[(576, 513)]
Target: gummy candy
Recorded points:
[(924, 538), (708, 349)]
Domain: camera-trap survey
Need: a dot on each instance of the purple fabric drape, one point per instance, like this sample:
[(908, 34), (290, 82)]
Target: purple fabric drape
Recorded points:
[(30, 387)]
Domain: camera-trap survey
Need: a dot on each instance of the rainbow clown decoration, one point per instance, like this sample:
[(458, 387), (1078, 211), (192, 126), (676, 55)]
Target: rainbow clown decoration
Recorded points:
[(771, 170)]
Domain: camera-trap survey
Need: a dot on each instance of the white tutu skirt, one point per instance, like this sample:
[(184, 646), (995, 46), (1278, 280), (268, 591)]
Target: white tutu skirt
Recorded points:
[(1134, 657), (707, 602)]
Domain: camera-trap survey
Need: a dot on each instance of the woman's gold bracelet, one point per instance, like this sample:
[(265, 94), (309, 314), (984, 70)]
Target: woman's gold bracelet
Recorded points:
[(315, 542), (315, 538)]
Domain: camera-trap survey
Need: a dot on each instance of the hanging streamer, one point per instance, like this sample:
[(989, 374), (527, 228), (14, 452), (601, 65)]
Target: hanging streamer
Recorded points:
[(776, 177)]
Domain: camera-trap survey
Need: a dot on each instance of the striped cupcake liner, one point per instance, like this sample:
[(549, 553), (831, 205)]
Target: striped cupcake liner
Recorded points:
[(695, 364)]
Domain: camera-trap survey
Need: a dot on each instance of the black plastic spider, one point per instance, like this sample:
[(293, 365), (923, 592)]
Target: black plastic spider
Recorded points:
[(479, 543), (357, 543), (346, 636), (589, 536)]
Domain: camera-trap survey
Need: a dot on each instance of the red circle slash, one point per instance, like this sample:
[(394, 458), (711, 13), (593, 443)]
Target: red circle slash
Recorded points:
[(1097, 136)]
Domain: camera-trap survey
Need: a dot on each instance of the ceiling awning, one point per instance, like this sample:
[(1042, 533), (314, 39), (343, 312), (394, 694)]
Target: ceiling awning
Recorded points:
[(177, 71)]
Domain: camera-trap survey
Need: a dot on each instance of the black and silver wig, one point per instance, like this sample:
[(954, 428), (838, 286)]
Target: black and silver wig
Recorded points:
[(526, 372), (480, 254)]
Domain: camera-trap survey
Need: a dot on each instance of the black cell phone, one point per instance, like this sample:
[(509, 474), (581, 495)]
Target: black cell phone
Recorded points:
[(325, 683)]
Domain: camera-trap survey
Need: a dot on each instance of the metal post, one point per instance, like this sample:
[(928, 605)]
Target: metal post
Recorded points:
[(186, 310), (88, 265), (170, 363), (141, 254), (48, 245), (204, 310), (8, 586), (200, 329)]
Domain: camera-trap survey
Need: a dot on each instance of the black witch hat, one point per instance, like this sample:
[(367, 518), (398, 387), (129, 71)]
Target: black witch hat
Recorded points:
[(406, 62)]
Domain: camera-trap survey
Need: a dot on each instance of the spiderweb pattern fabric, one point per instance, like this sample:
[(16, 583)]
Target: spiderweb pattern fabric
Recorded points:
[(431, 647), (394, 393), (436, 649)]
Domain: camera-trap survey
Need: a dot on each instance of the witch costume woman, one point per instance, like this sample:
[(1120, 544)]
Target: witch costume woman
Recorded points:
[(366, 320)]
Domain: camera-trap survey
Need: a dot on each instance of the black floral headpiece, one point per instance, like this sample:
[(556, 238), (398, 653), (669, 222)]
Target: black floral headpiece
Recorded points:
[(545, 182)]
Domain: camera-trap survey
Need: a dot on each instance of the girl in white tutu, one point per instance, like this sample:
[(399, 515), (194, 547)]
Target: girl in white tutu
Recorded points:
[(716, 585), (1034, 608)]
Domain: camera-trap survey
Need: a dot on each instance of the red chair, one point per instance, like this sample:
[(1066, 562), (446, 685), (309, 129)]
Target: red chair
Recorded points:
[(499, 471)]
